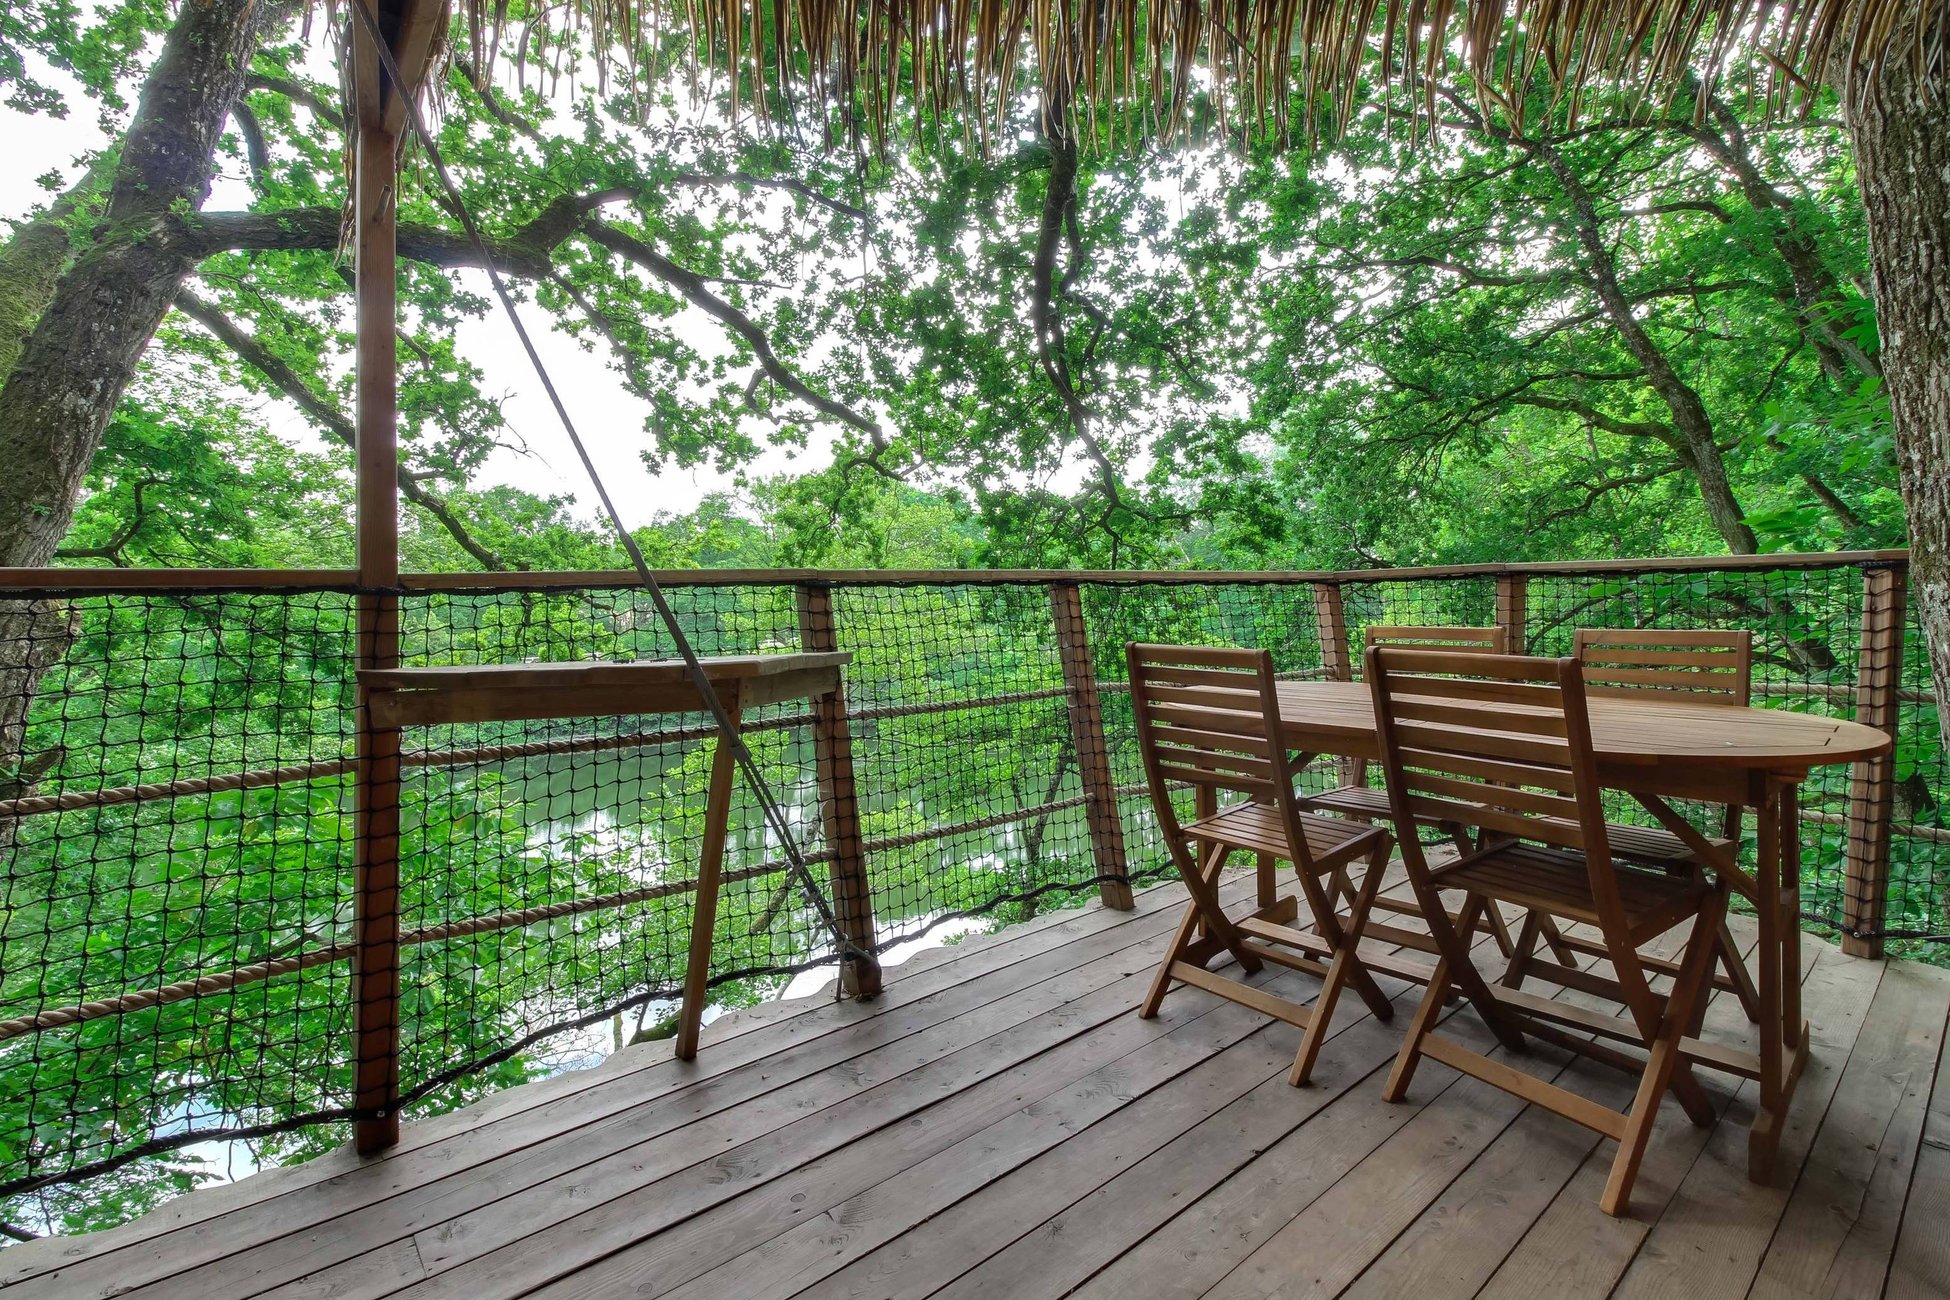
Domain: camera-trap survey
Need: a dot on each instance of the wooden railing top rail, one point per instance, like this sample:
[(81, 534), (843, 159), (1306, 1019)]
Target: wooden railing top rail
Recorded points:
[(133, 580)]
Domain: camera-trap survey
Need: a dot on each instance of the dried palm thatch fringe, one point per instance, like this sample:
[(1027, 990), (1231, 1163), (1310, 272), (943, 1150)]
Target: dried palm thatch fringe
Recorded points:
[(1147, 59)]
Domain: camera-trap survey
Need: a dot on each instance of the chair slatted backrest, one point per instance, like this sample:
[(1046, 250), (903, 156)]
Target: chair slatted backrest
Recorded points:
[(1488, 639), (1708, 665), (1499, 742), (1208, 717)]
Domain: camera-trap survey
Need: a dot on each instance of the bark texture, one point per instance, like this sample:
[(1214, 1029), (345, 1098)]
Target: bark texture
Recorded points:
[(83, 350), (1901, 131), (77, 307)]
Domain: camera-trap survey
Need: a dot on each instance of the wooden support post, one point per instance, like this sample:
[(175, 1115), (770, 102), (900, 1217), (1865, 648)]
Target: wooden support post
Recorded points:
[(1878, 680), (710, 877), (1513, 612), (1337, 658), (839, 801), (376, 784), (1093, 752), (1330, 617)]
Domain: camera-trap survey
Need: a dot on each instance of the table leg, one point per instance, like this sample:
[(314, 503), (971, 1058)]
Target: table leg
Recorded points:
[(704, 913), (1790, 914), (1777, 940)]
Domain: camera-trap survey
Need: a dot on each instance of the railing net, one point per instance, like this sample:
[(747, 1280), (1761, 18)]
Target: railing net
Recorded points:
[(178, 827)]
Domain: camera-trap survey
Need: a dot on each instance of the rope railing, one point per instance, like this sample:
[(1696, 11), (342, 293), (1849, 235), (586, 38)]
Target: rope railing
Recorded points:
[(181, 800)]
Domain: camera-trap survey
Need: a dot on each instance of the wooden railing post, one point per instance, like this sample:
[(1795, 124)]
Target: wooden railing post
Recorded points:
[(1872, 786), (839, 800), (376, 752), (1336, 658), (1330, 617), (1093, 752), (1513, 612)]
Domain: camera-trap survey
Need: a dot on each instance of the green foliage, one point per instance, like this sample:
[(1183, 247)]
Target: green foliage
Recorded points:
[(1046, 353)]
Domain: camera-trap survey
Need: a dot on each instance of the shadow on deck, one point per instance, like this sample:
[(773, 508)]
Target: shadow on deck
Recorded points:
[(999, 1123)]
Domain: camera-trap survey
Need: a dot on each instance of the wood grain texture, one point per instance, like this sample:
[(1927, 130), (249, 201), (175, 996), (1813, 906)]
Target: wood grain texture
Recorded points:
[(999, 1123)]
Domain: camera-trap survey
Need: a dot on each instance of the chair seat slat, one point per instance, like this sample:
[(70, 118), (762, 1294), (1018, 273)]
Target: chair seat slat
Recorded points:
[(1231, 742), (1492, 692), (1216, 760), (1695, 678), (1717, 658), (1404, 635), (1221, 780), (1667, 637), (1223, 678), (1239, 698), (1248, 722)]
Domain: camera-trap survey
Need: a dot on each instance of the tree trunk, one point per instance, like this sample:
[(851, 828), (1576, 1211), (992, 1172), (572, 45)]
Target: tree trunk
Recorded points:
[(72, 369), (1902, 156), (74, 330)]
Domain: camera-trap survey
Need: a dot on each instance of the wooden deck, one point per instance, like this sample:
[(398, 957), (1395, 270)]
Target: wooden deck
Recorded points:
[(999, 1123)]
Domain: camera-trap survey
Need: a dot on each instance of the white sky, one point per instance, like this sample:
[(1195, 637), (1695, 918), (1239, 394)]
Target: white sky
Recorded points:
[(608, 416)]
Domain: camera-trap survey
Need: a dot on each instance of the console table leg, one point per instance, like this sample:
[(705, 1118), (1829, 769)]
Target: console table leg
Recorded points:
[(704, 915)]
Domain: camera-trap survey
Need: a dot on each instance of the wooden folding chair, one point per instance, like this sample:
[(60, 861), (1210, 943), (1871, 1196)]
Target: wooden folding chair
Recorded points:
[(1707, 665), (1503, 743), (1209, 719), (1359, 800)]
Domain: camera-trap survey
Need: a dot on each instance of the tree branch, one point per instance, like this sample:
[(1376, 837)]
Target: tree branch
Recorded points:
[(693, 289), (328, 417), (1594, 492), (111, 550), (1597, 419), (787, 183), (298, 92), (256, 152)]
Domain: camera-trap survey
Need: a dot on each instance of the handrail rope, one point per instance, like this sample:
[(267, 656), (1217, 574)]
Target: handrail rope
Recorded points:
[(694, 668)]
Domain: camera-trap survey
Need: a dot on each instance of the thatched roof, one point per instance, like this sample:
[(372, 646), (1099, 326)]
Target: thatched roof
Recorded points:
[(1146, 59)]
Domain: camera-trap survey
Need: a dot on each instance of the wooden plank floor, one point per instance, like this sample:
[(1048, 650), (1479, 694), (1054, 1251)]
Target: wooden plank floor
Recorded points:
[(1001, 1124)]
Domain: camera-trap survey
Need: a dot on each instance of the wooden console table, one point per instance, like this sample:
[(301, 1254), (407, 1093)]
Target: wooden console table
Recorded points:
[(421, 697)]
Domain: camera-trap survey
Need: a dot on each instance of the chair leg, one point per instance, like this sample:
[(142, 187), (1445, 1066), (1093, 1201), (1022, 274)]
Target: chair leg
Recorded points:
[(1499, 928), (1161, 982), (1201, 882), (1204, 888), (1695, 969), (1565, 954), (1430, 1008), (1526, 948), (1737, 972), (1346, 960), (1358, 973)]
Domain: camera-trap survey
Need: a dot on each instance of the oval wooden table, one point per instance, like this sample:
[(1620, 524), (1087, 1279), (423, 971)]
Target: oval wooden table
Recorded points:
[(1658, 749)]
